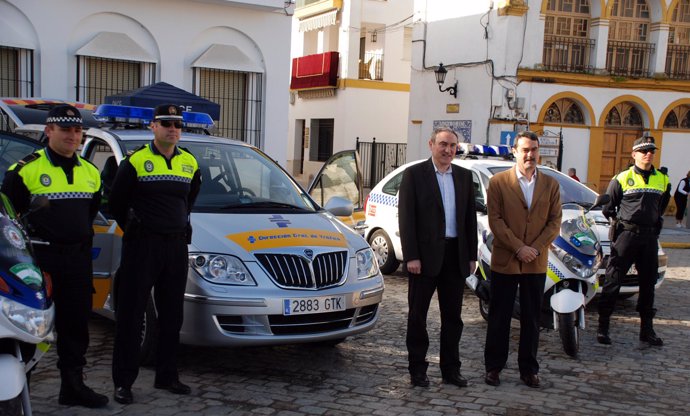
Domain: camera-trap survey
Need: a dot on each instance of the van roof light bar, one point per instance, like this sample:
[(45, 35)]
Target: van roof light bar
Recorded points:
[(474, 150), (112, 113)]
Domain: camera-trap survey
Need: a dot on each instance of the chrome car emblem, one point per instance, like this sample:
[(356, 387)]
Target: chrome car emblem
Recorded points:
[(309, 253)]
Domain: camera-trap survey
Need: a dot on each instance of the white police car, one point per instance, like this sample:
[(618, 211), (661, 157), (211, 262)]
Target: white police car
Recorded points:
[(267, 264), (381, 208)]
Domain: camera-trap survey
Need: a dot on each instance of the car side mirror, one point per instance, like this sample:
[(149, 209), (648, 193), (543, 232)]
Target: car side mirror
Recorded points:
[(339, 206)]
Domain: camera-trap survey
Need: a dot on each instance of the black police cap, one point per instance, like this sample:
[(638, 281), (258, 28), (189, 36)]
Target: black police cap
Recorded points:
[(64, 115), (167, 112), (643, 143)]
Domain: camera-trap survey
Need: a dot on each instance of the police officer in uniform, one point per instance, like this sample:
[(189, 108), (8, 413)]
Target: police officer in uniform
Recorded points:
[(73, 187), (151, 199), (639, 196)]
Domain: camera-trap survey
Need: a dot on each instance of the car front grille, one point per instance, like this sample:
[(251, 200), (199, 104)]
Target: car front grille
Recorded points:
[(295, 271), (317, 323)]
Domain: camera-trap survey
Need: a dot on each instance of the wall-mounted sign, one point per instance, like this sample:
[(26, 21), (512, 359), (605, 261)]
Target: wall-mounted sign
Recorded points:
[(463, 128)]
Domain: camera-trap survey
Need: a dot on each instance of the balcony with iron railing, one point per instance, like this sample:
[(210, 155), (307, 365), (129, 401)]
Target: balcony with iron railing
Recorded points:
[(678, 62), (567, 54), (629, 58), (371, 67)]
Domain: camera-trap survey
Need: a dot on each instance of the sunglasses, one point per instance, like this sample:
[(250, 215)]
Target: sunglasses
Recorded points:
[(645, 151), (169, 123)]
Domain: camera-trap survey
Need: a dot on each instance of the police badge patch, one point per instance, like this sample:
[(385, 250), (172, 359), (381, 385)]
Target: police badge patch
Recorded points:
[(45, 180), (13, 235), (631, 182), (148, 166)]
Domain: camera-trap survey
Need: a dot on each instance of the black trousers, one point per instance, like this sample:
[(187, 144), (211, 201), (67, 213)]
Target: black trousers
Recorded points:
[(503, 290), (449, 285), (630, 248), (71, 271), (681, 203), (149, 261)]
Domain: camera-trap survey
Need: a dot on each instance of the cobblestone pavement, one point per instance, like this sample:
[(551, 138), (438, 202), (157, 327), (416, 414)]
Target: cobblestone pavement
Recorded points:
[(367, 373)]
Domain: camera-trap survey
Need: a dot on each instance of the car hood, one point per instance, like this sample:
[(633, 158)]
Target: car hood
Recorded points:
[(242, 235)]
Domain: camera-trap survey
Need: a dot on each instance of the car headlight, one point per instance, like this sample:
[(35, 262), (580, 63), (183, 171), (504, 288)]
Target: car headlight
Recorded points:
[(575, 265), (221, 269), (35, 322), (367, 266)]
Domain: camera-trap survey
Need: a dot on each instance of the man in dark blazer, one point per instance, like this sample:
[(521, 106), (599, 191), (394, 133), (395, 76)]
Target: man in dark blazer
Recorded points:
[(438, 232), (524, 208)]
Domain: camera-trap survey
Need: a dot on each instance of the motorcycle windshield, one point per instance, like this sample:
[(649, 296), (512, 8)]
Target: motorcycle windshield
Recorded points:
[(16, 262), (578, 230)]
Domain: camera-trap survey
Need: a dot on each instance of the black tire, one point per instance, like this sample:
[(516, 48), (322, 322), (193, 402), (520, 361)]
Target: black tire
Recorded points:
[(149, 335), (484, 309), (12, 407), (569, 332), (383, 249)]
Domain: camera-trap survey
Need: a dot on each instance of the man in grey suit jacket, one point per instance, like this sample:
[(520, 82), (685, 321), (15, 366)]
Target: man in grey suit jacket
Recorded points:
[(438, 232)]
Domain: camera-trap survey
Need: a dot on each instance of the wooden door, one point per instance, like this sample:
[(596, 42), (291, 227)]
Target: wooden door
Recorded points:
[(616, 154)]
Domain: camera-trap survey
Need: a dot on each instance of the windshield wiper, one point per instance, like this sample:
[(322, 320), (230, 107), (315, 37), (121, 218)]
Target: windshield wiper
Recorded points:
[(580, 203), (262, 204)]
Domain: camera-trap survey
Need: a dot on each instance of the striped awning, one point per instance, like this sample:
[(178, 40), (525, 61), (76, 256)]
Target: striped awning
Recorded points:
[(318, 21)]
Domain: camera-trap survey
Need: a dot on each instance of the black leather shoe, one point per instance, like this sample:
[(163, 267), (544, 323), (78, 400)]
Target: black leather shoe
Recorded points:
[(419, 380), (651, 339), (491, 378), (532, 380), (455, 378), (175, 387), (123, 395), (603, 338)]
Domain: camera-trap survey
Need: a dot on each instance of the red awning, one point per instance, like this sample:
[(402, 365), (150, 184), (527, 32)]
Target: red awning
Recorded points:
[(315, 71)]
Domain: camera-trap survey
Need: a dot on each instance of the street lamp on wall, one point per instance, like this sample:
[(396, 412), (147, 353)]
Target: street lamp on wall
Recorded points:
[(441, 78)]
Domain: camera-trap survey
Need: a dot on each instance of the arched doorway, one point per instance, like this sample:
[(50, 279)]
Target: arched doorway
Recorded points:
[(623, 125)]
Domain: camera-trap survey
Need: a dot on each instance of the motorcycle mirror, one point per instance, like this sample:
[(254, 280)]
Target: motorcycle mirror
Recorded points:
[(601, 200)]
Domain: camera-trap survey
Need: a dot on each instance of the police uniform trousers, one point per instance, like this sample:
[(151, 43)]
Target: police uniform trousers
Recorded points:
[(503, 290), (449, 285), (71, 271), (157, 261), (631, 247)]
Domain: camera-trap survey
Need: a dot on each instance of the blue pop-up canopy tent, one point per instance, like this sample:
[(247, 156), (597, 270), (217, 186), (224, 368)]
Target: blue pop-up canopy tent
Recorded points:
[(164, 93)]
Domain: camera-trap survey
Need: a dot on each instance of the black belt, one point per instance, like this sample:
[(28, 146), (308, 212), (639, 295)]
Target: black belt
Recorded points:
[(638, 229), (451, 239)]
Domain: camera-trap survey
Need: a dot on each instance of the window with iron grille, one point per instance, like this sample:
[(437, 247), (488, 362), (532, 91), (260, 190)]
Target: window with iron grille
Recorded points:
[(16, 72), (240, 97), (628, 50), (678, 52), (567, 46), (100, 77)]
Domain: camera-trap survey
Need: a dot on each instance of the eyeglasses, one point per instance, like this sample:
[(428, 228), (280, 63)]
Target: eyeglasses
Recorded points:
[(169, 123), (645, 151)]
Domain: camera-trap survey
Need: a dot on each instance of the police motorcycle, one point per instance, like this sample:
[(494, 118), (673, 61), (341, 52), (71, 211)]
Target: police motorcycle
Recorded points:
[(575, 256), (26, 311)]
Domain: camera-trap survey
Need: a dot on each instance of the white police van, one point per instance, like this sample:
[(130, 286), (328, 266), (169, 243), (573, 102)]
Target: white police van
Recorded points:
[(267, 264)]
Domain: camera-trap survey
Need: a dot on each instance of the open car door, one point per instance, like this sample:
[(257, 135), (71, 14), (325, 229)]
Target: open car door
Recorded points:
[(341, 176)]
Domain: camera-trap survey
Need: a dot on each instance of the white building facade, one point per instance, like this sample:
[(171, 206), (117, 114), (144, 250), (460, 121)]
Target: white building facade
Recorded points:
[(235, 53), (597, 73), (350, 78)]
